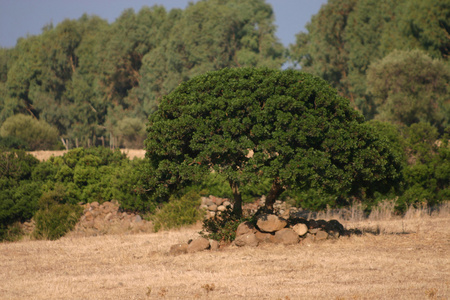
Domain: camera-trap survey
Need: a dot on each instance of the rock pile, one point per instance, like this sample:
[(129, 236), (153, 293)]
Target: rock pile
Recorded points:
[(271, 228), (214, 205), (274, 229), (106, 218)]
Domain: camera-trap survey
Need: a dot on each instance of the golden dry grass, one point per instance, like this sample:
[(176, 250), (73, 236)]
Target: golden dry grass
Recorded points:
[(46, 154), (409, 259)]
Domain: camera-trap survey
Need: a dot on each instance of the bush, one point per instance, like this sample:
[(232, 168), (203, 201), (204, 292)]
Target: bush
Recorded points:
[(178, 212), (12, 142), (55, 216), (56, 220), (38, 134)]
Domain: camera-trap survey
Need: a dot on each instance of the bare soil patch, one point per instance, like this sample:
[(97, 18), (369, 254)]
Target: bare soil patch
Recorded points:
[(46, 154), (401, 259)]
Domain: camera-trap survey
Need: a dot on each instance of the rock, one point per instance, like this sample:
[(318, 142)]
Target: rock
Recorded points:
[(263, 237), (226, 203), (95, 204), (178, 249), (199, 244), (286, 236), (248, 239), (245, 228), (300, 229), (88, 216), (221, 208), (219, 201), (214, 245), (108, 216), (205, 200), (137, 219), (308, 240), (204, 206), (314, 230), (321, 235), (270, 223), (334, 234), (212, 207)]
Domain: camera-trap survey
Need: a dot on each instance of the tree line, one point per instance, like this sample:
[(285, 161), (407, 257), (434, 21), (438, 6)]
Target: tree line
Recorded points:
[(86, 82)]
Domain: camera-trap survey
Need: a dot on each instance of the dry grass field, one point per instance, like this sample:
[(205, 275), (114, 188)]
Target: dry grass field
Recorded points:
[(395, 258), (46, 154)]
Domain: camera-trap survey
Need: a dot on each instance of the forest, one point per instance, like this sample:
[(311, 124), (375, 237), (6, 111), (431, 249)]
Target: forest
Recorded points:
[(87, 83)]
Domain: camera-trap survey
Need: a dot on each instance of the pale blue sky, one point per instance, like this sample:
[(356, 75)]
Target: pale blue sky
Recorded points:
[(19, 18)]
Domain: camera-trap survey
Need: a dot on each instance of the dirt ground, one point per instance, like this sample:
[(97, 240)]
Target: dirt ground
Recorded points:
[(400, 259), (45, 154)]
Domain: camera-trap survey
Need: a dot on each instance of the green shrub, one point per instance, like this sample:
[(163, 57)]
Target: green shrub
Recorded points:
[(38, 134), (12, 142), (54, 218), (178, 212)]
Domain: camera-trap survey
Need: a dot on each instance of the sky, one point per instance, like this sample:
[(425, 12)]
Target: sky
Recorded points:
[(20, 18)]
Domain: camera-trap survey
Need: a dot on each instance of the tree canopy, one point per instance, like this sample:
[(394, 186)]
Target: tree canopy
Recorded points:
[(85, 76), (250, 124), (347, 36)]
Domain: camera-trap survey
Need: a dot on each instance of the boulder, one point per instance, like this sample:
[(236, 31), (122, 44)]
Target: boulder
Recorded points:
[(321, 235), (178, 249), (286, 236), (270, 223), (226, 203), (263, 237), (214, 245), (245, 228), (221, 208), (199, 244), (314, 230), (248, 239), (300, 229), (308, 240), (212, 207)]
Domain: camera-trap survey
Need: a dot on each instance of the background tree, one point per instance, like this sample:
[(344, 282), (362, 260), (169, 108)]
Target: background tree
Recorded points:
[(38, 135), (410, 87), (346, 36), (299, 132)]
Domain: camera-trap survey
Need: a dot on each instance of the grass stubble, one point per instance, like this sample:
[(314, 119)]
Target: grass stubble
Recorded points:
[(395, 258)]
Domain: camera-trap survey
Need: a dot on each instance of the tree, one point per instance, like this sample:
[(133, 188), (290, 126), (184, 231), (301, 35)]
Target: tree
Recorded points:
[(346, 36), (252, 124), (39, 135), (410, 87)]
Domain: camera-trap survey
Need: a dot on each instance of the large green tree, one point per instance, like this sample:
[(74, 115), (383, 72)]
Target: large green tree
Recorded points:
[(409, 87), (346, 36), (253, 124)]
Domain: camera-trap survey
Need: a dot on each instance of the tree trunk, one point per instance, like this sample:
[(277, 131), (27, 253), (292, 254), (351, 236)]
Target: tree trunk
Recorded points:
[(275, 191), (237, 208)]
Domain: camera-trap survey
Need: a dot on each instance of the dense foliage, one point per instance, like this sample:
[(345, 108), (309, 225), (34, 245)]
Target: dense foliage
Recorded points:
[(86, 82), (90, 79), (54, 188), (348, 37), (96, 83), (252, 124)]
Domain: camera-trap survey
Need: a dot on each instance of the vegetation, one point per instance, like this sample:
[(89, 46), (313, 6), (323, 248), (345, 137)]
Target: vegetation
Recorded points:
[(299, 132), (207, 77), (178, 212), (97, 83), (351, 43)]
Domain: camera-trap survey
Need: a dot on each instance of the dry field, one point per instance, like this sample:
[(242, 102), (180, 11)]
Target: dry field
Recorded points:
[(405, 258), (46, 154)]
